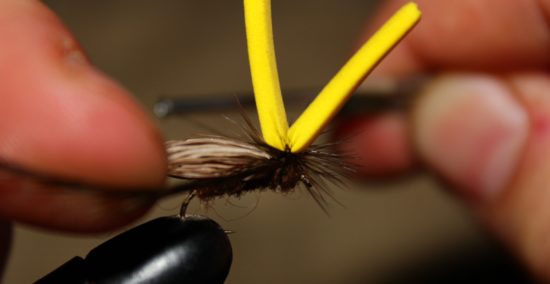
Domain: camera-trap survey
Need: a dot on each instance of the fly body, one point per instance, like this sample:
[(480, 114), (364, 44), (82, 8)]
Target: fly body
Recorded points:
[(220, 166)]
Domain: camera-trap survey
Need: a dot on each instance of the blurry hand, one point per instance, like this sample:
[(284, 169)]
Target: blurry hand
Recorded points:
[(484, 123), (61, 116)]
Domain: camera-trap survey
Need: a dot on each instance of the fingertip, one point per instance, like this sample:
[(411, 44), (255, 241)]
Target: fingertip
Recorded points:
[(62, 117), (378, 144), (471, 130), (520, 215), (61, 114), (489, 138), (469, 35)]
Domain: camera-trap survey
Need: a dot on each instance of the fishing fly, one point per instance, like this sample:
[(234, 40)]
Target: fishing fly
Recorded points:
[(281, 157), (225, 166), (276, 157)]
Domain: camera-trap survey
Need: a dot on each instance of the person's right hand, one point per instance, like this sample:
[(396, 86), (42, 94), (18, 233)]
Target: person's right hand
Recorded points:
[(61, 116), (484, 123)]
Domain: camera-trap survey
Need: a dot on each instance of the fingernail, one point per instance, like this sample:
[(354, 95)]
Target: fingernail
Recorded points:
[(470, 129)]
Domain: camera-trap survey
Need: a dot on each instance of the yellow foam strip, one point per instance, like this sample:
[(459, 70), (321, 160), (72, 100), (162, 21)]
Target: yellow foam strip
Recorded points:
[(308, 126), (263, 67)]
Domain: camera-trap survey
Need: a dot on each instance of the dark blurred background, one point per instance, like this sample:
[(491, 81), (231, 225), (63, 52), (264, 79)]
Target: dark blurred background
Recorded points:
[(406, 231)]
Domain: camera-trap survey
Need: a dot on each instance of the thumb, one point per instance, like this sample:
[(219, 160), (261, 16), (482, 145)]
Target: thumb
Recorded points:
[(489, 138)]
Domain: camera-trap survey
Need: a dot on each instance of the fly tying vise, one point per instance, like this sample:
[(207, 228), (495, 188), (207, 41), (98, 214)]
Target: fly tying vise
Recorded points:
[(281, 156)]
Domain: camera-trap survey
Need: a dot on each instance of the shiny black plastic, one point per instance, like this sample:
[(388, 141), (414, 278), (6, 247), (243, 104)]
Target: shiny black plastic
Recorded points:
[(72, 271), (165, 250)]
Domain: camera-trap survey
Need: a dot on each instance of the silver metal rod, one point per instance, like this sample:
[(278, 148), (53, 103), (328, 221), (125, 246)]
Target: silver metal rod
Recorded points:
[(367, 99)]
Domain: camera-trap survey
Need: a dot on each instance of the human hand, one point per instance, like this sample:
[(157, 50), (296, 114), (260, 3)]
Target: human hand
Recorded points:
[(63, 117), (483, 125)]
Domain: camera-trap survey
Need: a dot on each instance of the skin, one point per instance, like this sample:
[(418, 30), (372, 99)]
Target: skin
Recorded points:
[(483, 124), (491, 57), (97, 133)]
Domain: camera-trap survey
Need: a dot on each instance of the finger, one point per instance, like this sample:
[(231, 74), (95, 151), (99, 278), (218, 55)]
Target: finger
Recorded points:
[(494, 35), (490, 139), (470, 35), (380, 141), (62, 116)]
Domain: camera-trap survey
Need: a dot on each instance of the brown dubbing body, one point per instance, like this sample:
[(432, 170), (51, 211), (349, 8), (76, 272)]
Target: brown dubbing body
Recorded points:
[(220, 166)]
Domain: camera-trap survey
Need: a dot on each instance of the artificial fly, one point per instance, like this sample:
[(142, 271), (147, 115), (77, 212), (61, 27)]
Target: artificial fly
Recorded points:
[(282, 157), (278, 157), (222, 166), (196, 249)]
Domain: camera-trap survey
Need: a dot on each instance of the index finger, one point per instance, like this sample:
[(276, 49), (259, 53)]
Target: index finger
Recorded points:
[(491, 35)]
